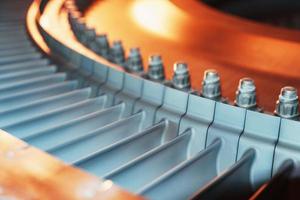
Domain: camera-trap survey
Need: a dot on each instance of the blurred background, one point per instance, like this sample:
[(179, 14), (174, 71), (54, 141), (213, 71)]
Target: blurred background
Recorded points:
[(238, 38)]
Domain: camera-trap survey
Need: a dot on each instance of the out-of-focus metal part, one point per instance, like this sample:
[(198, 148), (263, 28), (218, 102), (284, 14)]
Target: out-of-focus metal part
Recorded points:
[(117, 53), (89, 35), (101, 45), (156, 68), (181, 76), (246, 94), (135, 61), (80, 25), (287, 105)]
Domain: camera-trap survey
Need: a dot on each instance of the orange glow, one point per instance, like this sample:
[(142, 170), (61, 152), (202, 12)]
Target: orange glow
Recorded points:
[(204, 38), (159, 17), (32, 12)]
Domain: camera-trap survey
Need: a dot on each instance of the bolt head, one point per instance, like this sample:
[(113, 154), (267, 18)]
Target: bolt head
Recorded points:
[(156, 68), (246, 93), (181, 77), (211, 86), (287, 105), (117, 54), (135, 61)]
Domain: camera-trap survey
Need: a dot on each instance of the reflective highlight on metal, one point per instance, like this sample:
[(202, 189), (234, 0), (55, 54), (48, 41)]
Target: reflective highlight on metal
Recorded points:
[(287, 105), (181, 76), (156, 139), (246, 94), (117, 53), (156, 68), (211, 86), (134, 61)]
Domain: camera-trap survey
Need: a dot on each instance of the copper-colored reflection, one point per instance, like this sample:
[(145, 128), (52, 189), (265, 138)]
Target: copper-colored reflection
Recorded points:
[(158, 17), (34, 32), (27, 173), (205, 38)]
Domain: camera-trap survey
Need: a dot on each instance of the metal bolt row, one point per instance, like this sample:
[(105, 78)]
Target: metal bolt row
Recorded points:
[(286, 106)]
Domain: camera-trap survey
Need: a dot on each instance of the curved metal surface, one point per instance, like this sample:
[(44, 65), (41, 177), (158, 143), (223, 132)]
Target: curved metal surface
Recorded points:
[(205, 38), (165, 23), (26, 172)]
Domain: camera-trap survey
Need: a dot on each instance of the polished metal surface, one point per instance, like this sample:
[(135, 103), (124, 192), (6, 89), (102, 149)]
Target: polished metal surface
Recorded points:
[(206, 39), (211, 85), (246, 93), (87, 102), (287, 104)]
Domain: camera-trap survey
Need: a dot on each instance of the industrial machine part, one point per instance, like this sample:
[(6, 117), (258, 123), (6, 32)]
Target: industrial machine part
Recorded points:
[(68, 92)]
